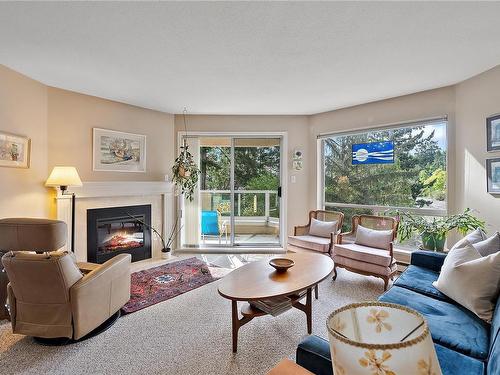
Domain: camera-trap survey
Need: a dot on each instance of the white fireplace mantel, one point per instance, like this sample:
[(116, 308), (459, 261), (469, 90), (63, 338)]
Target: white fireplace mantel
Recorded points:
[(114, 189), (118, 189)]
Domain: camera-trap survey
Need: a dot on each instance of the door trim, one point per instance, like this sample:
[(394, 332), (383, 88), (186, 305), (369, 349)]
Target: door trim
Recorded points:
[(284, 186)]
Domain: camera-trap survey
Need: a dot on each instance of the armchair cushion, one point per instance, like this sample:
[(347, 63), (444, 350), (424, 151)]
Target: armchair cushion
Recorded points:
[(322, 228), (309, 242), (381, 239), (364, 266), (364, 254)]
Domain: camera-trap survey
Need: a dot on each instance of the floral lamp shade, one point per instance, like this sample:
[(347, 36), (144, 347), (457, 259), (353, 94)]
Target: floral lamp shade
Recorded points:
[(376, 338)]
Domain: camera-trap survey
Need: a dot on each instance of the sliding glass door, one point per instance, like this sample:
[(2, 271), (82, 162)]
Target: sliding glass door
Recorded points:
[(257, 185), (237, 202)]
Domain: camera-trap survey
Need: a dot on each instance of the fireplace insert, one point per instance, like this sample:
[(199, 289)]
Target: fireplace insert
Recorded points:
[(118, 230)]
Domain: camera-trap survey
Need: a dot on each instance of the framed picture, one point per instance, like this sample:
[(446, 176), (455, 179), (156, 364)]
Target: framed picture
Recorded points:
[(373, 153), (493, 173), (118, 151), (493, 133), (14, 151)]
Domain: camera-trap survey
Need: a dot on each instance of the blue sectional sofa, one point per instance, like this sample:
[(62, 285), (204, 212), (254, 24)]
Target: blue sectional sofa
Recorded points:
[(464, 343)]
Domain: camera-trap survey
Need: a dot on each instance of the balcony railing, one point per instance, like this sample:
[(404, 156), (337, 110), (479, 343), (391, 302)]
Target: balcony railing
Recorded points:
[(250, 206)]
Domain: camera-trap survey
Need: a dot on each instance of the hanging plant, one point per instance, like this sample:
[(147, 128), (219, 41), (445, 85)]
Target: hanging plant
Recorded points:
[(185, 171)]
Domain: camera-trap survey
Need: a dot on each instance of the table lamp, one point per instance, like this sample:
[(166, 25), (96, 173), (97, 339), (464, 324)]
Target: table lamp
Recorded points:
[(380, 338), (64, 177)]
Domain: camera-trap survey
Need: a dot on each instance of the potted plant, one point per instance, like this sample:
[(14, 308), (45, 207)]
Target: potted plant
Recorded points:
[(433, 231), (166, 250), (185, 172)]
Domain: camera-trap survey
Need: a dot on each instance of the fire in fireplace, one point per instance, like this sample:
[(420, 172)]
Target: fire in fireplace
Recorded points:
[(118, 230), (119, 233)]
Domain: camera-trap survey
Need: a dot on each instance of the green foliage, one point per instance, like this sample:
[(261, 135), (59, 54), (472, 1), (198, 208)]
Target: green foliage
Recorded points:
[(266, 181), (418, 157), (435, 185), (412, 224), (185, 173), (255, 168)]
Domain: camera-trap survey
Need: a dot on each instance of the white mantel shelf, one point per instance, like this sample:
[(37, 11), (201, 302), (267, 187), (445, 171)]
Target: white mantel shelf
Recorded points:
[(117, 189)]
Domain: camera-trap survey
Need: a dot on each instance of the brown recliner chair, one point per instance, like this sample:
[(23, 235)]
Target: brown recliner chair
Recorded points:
[(48, 296)]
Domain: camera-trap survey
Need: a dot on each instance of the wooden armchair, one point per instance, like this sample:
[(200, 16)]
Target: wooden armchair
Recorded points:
[(304, 240), (371, 253)]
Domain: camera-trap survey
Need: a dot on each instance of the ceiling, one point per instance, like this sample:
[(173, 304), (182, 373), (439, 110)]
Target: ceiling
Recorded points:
[(249, 57)]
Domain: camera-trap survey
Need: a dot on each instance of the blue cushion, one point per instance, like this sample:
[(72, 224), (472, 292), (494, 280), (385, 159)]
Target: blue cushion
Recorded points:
[(451, 325), (494, 359), (453, 362), (419, 279), (428, 259), (313, 353), (209, 223)]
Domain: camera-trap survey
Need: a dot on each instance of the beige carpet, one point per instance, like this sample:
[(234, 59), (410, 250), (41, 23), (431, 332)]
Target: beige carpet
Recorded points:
[(189, 334)]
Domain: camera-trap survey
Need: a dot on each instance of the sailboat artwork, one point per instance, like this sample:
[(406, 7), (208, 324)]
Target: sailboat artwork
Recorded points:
[(119, 151), (373, 153)]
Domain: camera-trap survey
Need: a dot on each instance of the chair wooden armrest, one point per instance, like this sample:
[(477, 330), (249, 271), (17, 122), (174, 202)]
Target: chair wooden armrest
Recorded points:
[(341, 235), (301, 230)]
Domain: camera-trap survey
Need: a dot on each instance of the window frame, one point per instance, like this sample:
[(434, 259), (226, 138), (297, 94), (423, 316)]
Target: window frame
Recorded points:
[(321, 191)]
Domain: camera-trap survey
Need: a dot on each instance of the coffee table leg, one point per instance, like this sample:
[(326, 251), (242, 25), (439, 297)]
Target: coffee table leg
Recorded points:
[(308, 310), (236, 325)]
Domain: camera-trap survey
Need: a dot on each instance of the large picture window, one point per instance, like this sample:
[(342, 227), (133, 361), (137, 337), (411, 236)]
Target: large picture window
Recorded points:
[(380, 169)]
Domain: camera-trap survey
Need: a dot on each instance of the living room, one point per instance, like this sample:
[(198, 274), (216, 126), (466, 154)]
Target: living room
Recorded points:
[(229, 187)]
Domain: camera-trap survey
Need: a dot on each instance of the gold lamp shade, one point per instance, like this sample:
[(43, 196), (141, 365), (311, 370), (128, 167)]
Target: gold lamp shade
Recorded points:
[(64, 176), (380, 338)]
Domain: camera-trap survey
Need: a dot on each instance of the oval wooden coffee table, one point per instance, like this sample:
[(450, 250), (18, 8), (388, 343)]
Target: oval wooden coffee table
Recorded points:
[(259, 281)]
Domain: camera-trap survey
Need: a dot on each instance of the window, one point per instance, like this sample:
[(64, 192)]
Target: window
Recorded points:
[(375, 170)]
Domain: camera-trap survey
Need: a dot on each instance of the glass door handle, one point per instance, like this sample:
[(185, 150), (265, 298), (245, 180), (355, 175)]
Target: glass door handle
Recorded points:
[(279, 192)]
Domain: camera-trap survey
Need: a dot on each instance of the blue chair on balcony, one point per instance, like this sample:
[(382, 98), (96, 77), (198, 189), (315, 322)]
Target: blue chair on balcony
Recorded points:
[(212, 226)]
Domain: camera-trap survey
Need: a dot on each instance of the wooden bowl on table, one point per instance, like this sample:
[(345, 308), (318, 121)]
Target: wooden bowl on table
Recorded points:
[(281, 264)]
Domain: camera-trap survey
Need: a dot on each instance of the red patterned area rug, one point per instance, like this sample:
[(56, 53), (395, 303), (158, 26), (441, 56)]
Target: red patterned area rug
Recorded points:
[(161, 283)]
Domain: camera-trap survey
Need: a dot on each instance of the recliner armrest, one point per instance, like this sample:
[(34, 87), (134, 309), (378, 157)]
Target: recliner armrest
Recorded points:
[(313, 353), (99, 294), (428, 259)]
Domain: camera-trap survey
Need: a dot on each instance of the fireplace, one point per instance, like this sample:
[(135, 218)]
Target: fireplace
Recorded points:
[(118, 230)]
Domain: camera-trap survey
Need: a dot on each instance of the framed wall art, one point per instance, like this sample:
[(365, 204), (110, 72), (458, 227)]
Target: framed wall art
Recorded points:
[(493, 133), (117, 151), (493, 173), (14, 150)]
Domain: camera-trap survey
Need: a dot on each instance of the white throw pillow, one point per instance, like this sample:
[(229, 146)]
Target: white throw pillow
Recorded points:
[(473, 237), (322, 228), (373, 238), (488, 246), (471, 280)]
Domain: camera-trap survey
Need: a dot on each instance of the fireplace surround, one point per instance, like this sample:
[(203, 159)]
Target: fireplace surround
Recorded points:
[(119, 230)]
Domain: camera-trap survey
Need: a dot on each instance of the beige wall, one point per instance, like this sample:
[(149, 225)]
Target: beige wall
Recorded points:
[(23, 111), (477, 99), (60, 123), (71, 117), (297, 130)]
